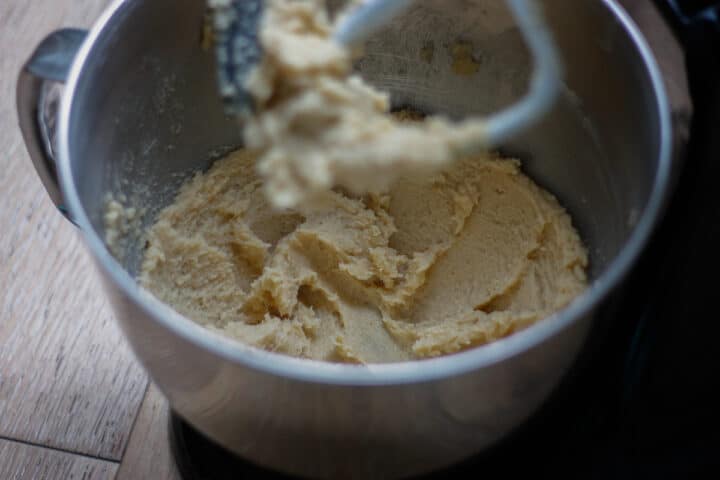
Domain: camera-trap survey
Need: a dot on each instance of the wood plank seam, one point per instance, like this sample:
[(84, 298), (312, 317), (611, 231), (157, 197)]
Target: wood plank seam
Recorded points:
[(56, 449), (26, 462), (135, 420)]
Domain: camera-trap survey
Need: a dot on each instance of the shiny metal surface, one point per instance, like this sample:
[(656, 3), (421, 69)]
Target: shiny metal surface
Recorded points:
[(235, 25), (37, 102), (140, 114)]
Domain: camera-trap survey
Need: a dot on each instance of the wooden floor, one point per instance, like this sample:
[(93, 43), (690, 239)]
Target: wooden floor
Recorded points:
[(73, 401)]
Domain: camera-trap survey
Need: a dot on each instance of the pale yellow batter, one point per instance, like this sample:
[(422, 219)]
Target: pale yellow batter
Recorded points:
[(436, 265), (344, 234), (320, 126)]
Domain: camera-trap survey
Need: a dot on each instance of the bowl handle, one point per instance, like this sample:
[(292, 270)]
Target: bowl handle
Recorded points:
[(38, 94)]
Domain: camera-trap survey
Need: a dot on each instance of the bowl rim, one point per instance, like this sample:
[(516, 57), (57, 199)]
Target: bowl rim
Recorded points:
[(416, 371)]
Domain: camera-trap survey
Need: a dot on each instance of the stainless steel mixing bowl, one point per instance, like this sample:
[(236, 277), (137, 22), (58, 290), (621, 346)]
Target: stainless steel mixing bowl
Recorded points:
[(140, 113)]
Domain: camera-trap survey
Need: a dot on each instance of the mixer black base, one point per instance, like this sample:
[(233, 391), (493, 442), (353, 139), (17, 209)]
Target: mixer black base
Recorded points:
[(198, 458)]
